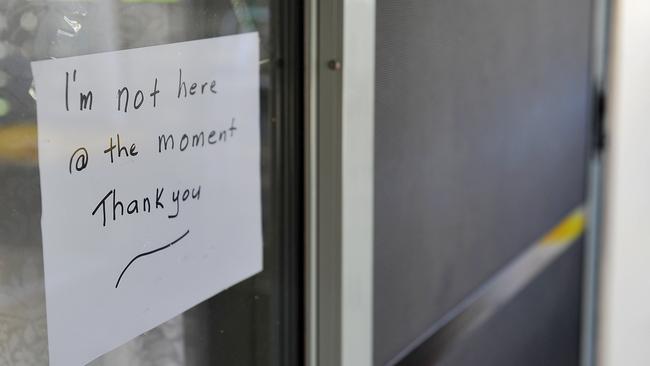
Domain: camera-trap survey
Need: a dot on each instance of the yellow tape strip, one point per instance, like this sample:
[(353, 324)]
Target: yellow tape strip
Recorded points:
[(566, 231)]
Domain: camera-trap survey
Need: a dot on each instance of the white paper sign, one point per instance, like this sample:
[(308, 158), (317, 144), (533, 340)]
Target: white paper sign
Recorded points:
[(150, 183)]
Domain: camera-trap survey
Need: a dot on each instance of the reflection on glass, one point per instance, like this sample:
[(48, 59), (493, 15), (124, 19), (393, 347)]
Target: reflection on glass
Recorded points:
[(237, 327)]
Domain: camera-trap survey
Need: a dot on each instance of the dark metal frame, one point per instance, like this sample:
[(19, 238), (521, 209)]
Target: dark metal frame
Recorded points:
[(287, 176)]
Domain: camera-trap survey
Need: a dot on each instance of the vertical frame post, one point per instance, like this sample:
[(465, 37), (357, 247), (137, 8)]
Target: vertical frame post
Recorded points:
[(339, 179)]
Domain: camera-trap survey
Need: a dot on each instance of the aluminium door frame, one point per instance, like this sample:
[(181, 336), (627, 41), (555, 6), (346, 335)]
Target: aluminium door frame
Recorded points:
[(339, 158)]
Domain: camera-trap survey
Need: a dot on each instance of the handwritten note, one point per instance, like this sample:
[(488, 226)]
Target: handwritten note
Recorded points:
[(150, 182)]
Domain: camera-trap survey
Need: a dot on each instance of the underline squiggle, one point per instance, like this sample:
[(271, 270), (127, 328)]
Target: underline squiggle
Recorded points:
[(148, 253)]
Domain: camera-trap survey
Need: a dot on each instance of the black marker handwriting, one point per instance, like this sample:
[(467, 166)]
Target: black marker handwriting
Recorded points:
[(149, 253)]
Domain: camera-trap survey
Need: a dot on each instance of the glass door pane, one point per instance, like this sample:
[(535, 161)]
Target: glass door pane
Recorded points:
[(256, 322)]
